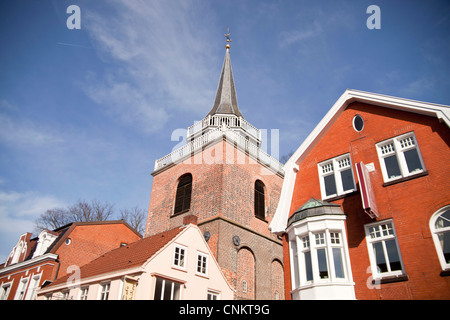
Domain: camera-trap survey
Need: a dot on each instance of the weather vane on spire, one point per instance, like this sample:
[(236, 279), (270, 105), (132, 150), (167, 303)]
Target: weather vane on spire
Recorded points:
[(227, 35)]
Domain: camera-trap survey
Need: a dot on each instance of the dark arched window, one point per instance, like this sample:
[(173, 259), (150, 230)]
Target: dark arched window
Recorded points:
[(183, 196), (259, 200)]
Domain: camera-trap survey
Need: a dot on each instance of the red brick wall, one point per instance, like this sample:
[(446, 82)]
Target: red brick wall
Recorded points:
[(246, 272), (223, 181), (223, 187), (410, 203), (277, 280)]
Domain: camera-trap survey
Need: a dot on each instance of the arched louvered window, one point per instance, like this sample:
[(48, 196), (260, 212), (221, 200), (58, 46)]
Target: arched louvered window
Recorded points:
[(259, 200), (183, 196), (440, 230)]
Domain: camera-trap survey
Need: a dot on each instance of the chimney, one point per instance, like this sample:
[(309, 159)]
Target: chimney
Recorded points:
[(190, 219)]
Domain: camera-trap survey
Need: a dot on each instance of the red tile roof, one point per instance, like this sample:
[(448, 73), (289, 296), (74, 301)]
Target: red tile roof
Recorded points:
[(125, 257)]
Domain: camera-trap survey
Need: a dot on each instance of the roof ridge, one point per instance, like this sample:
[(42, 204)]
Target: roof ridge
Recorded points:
[(135, 253)]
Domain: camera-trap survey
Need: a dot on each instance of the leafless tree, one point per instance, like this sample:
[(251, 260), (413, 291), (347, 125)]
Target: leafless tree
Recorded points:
[(135, 217), (83, 211)]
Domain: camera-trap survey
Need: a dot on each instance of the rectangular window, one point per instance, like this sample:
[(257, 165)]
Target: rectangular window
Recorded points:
[(213, 295), (167, 290), (84, 293), (22, 288), (34, 285), (104, 291), (5, 291), (336, 176), (202, 263), (294, 256), (179, 256), (307, 258), (400, 157), (383, 249)]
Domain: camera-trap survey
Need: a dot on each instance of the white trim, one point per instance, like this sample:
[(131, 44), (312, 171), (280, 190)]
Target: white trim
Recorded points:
[(331, 286), (434, 233), (28, 262), (24, 282), (206, 256), (336, 172), (95, 279), (4, 285), (442, 112), (184, 256), (399, 152), (383, 238)]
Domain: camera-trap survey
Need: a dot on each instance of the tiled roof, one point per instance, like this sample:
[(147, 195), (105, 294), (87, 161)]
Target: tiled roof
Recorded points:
[(125, 257)]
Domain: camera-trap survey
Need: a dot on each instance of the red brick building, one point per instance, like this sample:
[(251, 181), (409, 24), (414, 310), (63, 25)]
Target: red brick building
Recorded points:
[(365, 204), (223, 177), (35, 262)]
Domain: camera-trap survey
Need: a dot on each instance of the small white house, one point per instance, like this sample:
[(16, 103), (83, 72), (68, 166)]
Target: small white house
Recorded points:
[(172, 265)]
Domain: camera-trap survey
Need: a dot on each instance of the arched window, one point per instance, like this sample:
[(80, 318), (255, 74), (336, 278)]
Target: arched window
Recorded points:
[(183, 196), (259, 200), (440, 229)]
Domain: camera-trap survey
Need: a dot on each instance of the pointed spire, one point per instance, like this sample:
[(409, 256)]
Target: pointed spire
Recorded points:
[(226, 99)]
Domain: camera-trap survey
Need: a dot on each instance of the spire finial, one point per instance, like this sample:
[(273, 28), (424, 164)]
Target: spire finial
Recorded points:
[(227, 35)]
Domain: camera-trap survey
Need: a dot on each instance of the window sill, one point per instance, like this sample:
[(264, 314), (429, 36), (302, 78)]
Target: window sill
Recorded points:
[(342, 196), (262, 219), (179, 213), (399, 180), (445, 273), (391, 279), (179, 268), (201, 275)]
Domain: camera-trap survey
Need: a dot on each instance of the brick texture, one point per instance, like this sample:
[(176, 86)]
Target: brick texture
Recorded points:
[(409, 203), (223, 180)]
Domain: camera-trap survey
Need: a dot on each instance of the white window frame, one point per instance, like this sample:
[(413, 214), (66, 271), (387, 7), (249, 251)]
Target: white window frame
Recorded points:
[(382, 235), (311, 243), (65, 294), (398, 146), (179, 259), (6, 289), (435, 234), (334, 167), (213, 295), (22, 288), (168, 285), (104, 291), (84, 291), (202, 258), (34, 285)]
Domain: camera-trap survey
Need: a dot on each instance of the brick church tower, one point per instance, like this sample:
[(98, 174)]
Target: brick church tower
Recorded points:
[(225, 182)]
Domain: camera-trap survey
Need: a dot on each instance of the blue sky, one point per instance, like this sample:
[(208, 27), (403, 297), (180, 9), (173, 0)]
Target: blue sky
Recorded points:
[(85, 113)]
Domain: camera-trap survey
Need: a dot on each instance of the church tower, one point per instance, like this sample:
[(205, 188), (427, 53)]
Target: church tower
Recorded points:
[(222, 179)]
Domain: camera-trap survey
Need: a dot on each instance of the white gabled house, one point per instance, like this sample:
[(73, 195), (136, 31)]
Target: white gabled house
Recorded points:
[(172, 265)]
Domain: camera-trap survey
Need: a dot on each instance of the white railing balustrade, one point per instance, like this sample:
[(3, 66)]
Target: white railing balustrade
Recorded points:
[(231, 121), (240, 141)]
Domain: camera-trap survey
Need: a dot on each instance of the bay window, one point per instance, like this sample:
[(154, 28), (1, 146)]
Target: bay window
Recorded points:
[(319, 256), (322, 260)]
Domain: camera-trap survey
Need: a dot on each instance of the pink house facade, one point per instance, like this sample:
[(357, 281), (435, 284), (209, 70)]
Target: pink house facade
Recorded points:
[(172, 265)]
